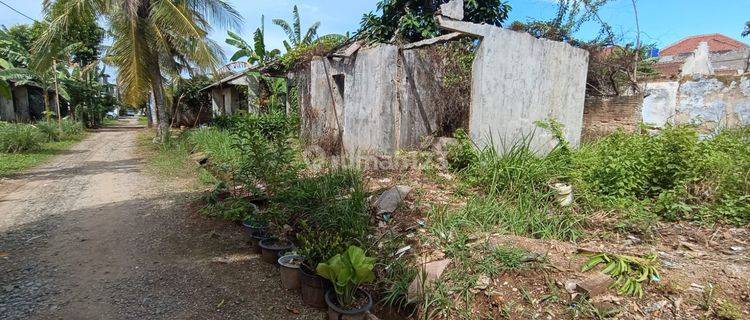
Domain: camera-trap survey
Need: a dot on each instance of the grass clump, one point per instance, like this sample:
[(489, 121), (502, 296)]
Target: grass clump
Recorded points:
[(16, 137)]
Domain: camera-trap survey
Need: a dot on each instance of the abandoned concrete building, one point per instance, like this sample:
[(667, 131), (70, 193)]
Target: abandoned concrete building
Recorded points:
[(26, 104), (365, 101)]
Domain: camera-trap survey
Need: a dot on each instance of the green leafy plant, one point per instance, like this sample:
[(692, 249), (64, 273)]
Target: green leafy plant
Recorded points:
[(347, 272), (317, 245), (629, 272)]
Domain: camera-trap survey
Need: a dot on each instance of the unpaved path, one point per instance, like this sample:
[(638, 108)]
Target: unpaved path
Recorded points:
[(91, 236)]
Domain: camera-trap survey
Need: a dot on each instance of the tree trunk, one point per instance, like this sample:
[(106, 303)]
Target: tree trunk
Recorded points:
[(161, 108), (46, 104)]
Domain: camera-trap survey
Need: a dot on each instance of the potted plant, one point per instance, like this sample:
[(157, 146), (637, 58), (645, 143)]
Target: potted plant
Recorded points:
[(316, 246), (272, 246), (289, 270), (347, 272), (257, 227)]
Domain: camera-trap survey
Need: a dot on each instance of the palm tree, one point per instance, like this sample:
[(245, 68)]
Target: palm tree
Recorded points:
[(151, 38), (294, 32), (255, 54)]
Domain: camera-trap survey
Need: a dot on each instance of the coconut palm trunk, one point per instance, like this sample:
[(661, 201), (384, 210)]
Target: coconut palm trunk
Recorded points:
[(159, 103)]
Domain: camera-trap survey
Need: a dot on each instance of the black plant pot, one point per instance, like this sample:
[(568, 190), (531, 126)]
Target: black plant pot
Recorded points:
[(270, 248), (255, 228), (313, 288), (336, 312), (255, 243)]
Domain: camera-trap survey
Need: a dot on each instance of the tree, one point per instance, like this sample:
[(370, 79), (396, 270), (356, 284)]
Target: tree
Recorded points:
[(747, 29), (294, 32), (255, 54), (15, 68), (413, 20), (570, 16), (151, 39)]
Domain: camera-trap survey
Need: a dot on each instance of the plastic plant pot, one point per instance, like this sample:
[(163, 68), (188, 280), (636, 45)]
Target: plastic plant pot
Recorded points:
[(336, 312), (312, 287), (255, 228), (289, 269), (270, 248)]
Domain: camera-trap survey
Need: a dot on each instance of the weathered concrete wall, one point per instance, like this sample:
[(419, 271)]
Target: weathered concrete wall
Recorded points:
[(712, 101), (518, 80), (21, 102), (659, 103), (6, 109), (385, 99), (421, 99), (706, 101), (371, 103)]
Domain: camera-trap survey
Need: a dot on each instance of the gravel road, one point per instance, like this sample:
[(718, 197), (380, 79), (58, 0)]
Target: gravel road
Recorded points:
[(90, 235)]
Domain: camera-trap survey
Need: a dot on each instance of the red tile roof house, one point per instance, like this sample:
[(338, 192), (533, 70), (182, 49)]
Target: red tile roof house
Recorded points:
[(727, 55)]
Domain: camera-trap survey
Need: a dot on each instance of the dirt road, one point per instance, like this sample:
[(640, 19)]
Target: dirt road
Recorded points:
[(91, 236)]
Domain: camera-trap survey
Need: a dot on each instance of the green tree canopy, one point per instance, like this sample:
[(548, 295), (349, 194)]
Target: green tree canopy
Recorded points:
[(413, 20)]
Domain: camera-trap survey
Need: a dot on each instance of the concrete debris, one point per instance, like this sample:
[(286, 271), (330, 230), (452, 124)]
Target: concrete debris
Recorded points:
[(430, 272), (737, 248), (594, 285), (483, 282), (402, 251), (199, 157), (454, 9), (389, 200)]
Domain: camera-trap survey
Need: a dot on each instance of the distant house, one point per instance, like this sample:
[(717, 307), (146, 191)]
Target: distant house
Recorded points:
[(711, 53), (239, 91)]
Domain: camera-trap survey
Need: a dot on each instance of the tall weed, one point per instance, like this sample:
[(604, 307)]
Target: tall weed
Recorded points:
[(16, 137)]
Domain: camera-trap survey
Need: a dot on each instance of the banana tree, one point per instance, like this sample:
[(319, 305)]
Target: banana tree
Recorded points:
[(255, 54)]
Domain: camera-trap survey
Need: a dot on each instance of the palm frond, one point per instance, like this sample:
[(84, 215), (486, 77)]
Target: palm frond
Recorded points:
[(311, 33), (287, 29)]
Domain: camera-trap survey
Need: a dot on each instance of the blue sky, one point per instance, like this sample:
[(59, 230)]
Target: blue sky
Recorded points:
[(662, 21)]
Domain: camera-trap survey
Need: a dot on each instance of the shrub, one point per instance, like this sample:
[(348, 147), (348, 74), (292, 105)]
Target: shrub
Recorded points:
[(16, 138), (71, 129), (334, 200), (50, 130), (266, 148), (461, 154)]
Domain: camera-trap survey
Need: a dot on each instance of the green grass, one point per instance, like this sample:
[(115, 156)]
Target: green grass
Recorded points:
[(142, 120), (11, 163)]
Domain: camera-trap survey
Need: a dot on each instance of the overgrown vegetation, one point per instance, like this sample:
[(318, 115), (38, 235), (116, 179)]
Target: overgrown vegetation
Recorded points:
[(25, 145), (398, 21), (675, 174)]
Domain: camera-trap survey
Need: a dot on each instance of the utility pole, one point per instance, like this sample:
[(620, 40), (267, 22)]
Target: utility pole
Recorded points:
[(637, 43)]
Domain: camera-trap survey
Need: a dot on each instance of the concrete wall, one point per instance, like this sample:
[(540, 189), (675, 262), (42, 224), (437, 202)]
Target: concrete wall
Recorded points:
[(21, 102), (385, 99), (518, 80), (659, 104), (706, 101), (371, 105), (7, 113)]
